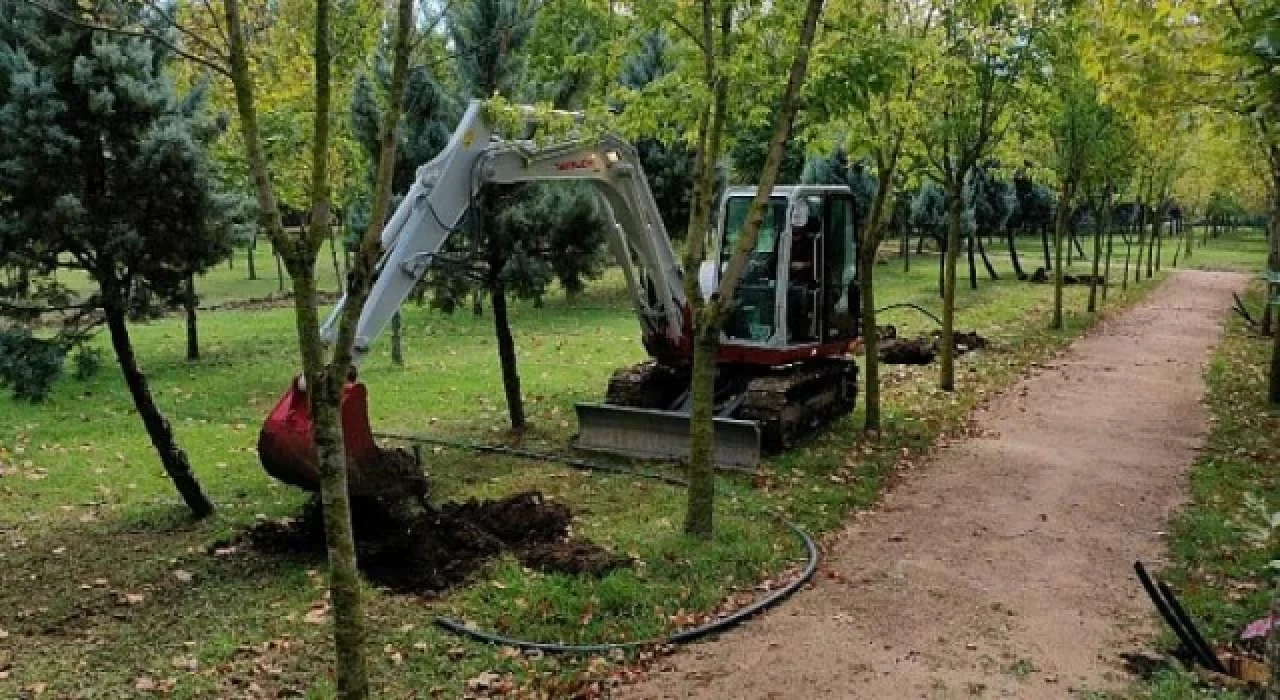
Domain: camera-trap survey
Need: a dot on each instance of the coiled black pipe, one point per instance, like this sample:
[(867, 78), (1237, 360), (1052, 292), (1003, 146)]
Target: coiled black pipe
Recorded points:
[(683, 637)]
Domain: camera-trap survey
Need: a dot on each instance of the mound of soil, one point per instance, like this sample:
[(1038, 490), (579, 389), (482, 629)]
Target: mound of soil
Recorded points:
[(923, 349), (1042, 276), (436, 549), (908, 351)]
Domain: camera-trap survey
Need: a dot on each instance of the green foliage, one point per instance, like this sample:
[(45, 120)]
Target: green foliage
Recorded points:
[(29, 366), (103, 165), (668, 166), (88, 361)]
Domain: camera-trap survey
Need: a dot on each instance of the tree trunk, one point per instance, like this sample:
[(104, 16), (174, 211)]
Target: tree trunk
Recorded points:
[(1075, 241), (174, 460), (1151, 243), (333, 255), (1044, 240), (1013, 254), (699, 518), (253, 269), (507, 355), (1060, 233), (942, 269), (973, 264), (708, 320), (870, 343), (279, 274), (397, 341), (1106, 272), (986, 261), (906, 249), (947, 367), (189, 303), (1099, 226), (1142, 244)]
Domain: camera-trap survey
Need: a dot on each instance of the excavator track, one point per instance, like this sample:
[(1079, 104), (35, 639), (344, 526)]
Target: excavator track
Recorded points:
[(794, 402)]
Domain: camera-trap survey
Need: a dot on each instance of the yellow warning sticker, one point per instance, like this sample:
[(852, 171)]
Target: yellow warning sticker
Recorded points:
[(468, 138)]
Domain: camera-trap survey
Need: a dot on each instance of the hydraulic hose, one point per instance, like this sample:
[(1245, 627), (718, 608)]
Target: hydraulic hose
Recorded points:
[(921, 309), (682, 637), (692, 634)]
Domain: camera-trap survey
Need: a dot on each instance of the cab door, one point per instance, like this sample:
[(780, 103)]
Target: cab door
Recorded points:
[(842, 301)]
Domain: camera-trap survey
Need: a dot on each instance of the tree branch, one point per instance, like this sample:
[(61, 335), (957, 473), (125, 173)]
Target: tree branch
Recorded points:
[(136, 34)]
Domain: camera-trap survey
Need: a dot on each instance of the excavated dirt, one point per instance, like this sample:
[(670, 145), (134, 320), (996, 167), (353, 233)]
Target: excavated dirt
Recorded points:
[(1001, 566), (923, 349), (439, 548)]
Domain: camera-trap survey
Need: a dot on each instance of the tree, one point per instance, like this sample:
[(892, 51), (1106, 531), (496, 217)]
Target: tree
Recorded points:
[(92, 126), (977, 75), (739, 46), (869, 63), (1077, 126), (519, 238)]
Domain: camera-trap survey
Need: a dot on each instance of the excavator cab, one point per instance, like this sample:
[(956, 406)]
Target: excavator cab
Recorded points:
[(799, 291)]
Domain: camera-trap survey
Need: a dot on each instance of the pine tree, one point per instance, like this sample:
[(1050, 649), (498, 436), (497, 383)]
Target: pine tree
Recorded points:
[(103, 170)]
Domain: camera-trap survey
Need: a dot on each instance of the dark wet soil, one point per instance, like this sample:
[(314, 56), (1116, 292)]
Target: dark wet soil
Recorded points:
[(442, 547), (923, 349)]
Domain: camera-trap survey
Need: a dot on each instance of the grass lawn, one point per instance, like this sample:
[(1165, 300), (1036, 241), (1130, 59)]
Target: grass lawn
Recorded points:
[(1219, 570), (108, 590)]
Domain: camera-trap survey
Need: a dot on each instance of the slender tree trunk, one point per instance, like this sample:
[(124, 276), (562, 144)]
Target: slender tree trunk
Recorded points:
[(1142, 244), (1044, 241), (986, 261), (1100, 225), (973, 265), (253, 270), (1075, 241), (906, 249), (507, 355), (699, 519), (333, 255), (172, 457), (1151, 243), (279, 273), (870, 343), (707, 321), (189, 303), (1106, 273), (1060, 233), (942, 269), (1013, 254), (947, 367), (397, 341)]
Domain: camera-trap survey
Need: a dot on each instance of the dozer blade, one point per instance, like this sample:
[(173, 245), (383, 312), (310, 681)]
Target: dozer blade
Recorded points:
[(286, 445), (652, 434)]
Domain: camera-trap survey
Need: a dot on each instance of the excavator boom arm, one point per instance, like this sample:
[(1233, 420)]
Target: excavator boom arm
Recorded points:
[(445, 188)]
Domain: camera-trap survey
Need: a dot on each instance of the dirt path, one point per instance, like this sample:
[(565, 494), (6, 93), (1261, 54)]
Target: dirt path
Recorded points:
[(1002, 566)]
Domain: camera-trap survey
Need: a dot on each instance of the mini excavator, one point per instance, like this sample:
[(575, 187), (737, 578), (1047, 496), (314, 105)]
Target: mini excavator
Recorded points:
[(784, 368)]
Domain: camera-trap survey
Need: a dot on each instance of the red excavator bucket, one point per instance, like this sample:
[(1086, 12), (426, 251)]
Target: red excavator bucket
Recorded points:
[(287, 447)]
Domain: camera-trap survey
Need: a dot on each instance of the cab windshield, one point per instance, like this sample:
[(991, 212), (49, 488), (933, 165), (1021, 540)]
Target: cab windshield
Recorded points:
[(753, 316)]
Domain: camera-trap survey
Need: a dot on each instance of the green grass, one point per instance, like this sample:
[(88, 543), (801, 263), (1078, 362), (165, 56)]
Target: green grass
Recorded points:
[(1219, 571), (87, 517)]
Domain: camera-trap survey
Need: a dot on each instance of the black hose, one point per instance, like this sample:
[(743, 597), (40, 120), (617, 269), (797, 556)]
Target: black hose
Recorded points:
[(1203, 650), (1162, 607), (683, 637), (921, 309), (522, 453)]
